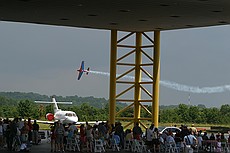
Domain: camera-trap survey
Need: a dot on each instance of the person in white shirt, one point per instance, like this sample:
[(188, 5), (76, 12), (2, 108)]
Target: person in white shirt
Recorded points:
[(20, 123), (149, 133), (190, 142), (149, 136)]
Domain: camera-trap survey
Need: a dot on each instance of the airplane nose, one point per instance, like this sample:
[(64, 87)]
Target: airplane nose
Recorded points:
[(73, 119), (76, 119)]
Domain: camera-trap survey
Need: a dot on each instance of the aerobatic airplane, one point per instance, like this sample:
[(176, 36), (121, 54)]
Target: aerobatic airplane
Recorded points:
[(64, 117), (81, 70)]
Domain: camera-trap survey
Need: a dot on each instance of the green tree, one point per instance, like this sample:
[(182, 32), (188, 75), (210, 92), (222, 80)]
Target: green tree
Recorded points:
[(169, 116), (212, 116), (87, 112), (41, 111), (195, 114), (225, 114), (183, 113), (49, 109), (9, 111), (25, 108)]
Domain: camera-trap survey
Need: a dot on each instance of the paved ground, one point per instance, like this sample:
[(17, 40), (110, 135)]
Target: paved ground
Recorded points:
[(41, 148), (44, 147)]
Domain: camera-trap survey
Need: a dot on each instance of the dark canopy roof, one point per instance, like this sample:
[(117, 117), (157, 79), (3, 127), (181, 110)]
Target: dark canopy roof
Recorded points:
[(125, 15)]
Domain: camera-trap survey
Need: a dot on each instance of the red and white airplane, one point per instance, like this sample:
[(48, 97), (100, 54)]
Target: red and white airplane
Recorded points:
[(65, 117), (81, 70)]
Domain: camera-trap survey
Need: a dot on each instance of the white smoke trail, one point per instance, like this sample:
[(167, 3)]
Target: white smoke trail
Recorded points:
[(177, 86)]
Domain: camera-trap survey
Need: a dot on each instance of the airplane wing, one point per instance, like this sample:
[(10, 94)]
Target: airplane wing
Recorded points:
[(45, 122), (78, 123), (79, 75), (48, 122), (90, 122), (81, 70), (41, 121), (50, 102), (82, 65)]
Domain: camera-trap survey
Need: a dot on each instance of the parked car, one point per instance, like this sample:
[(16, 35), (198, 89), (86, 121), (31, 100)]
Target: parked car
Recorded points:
[(161, 129)]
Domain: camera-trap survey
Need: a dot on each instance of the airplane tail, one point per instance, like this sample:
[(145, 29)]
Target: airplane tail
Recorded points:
[(55, 105), (53, 102), (87, 71)]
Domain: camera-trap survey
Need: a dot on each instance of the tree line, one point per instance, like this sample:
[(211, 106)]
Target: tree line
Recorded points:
[(19, 107), (194, 114), (181, 114)]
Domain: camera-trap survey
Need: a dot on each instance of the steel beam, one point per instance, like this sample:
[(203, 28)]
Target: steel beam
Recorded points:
[(137, 93), (156, 78), (112, 91)]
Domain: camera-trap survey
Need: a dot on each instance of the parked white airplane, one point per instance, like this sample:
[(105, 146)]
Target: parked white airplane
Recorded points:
[(64, 117)]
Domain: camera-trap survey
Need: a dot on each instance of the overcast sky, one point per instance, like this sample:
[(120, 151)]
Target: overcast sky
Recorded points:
[(43, 59)]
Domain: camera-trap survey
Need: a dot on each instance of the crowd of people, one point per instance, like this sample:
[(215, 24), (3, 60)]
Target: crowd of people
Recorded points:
[(17, 134), (26, 132), (86, 134), (184, 139), (154, 141)]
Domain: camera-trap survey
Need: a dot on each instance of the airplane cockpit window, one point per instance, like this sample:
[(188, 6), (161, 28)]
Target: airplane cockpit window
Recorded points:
[(68, 114)]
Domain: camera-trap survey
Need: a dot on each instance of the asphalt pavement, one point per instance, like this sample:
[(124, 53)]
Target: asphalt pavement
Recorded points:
[(44, 147)]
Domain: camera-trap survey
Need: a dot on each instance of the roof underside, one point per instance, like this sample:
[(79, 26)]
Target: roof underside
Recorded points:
[(124, 15)]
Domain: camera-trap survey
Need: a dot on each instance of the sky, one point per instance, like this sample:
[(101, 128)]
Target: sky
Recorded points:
[(43, 59)]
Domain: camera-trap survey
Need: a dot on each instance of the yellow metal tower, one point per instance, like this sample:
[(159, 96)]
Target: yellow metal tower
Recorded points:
[(126, 75)]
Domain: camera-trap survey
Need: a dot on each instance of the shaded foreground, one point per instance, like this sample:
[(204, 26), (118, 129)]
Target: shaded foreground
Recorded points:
[(44, 147)]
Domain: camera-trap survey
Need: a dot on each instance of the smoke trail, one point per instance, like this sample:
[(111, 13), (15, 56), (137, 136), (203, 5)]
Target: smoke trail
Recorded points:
[(177, 86), (181, 87)]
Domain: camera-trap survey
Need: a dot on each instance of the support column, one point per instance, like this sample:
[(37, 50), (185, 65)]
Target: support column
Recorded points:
[(137, 94), (156, 78), (112, 91), (137, 86)]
